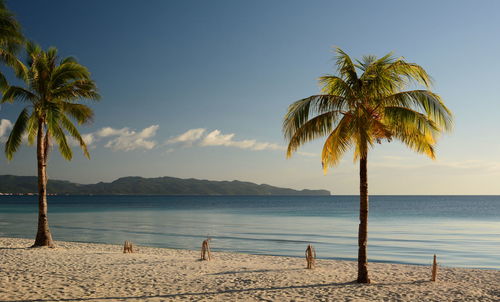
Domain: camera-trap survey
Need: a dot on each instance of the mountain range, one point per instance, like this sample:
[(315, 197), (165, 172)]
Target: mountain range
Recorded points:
[(134, 185)]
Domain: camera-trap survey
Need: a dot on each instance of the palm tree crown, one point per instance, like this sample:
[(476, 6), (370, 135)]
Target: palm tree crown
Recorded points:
[(11, 40), (10, 30), (52, 88), (359, 110)]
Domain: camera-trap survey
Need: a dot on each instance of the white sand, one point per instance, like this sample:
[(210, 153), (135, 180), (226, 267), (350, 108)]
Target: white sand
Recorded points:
[(96, 272)]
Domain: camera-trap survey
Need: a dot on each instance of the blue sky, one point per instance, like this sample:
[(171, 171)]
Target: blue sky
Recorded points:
[(227, 70)]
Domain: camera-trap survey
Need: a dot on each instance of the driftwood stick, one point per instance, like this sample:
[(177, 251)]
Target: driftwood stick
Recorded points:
[(434, 269), (205, 250), (310, 257), (128, 247)]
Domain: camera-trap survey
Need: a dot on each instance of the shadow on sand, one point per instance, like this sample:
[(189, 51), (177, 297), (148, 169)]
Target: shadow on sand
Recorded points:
[(255, 271), (219, 292)]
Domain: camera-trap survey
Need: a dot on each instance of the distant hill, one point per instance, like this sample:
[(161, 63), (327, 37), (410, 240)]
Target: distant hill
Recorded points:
[(148, 186)]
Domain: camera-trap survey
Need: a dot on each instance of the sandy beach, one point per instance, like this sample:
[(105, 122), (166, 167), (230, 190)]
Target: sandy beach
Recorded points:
[(98, 272)]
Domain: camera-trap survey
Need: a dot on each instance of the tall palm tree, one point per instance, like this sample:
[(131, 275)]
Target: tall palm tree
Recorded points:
[(11, 40), (365, 103), (52, 89)]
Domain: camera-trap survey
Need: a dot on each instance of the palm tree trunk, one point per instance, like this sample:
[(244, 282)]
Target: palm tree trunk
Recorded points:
[(43, 236), (363, 222)]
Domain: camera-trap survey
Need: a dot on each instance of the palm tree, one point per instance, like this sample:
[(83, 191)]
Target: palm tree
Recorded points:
[(52, 89), (11, 40), (360, 109)]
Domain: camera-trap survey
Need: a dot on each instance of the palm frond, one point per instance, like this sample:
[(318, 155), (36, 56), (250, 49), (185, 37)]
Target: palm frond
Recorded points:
[(333, 85), (426, 101), (3, 83), (68, 125), (318, 126), (53, 117), (68, 72), (51, 55), (413, 128), (402, 118), (69, 59), (337, 143), (416, 140), (11, 60), (16, 134), (371, 64), (380, 130), (11, 37), (62, 142), (378, 80), (346, 68), (82, 89), (365, 62), (33, 52), (32, 127), (81, 113), (299, 111), (412, 72), (20, 94)]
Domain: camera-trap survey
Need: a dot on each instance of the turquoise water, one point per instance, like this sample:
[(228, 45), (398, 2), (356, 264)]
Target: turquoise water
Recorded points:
[(464, 231)]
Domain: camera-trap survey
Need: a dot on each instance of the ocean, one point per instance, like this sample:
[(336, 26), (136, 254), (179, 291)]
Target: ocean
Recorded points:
[(464, 231)]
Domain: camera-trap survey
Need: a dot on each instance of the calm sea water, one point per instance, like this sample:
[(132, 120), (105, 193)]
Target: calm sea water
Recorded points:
[(464, 231)]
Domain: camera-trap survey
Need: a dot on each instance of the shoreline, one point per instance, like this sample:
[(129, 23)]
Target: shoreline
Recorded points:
[(101, 272), (276, 255)]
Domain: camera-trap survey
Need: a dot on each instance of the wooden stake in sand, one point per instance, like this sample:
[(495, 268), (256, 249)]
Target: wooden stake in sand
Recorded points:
[(205, 250), (128, 247), (310, 256), (434, 269)]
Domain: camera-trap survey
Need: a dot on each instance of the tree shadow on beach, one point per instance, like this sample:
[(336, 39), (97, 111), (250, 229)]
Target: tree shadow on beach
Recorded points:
[(402, 283), (256, 271), (222, 292)]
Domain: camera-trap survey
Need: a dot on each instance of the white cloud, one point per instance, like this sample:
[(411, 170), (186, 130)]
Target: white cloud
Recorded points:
[(5, 126), (128, 140), (267, 146), (108, 131), (88, 139), (123, 139), (216, 138), (187, 137), (308, 154)]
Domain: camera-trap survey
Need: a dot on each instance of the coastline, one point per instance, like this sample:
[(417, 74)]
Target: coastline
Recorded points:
[(405, 230), (101, 272)]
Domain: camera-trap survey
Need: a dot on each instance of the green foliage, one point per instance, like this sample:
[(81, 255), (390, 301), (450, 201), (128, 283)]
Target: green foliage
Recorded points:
[(11, 39), (366, 103), (52, 88), (16, 135), (10, 30)]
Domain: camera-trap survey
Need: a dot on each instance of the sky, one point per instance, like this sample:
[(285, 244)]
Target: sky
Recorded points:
[(198, 89)]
